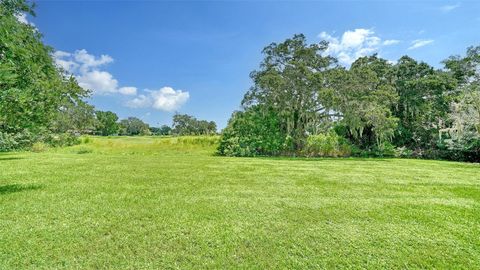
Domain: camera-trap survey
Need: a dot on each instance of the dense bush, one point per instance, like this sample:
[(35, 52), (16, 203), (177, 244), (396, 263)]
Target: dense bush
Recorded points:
[(26, 140), (39, 147), (63, 139), (327, 145), (255, 132), (16, 141)]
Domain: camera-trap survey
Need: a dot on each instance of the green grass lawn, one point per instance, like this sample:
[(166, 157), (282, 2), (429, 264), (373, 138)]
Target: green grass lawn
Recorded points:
[(165, 203)]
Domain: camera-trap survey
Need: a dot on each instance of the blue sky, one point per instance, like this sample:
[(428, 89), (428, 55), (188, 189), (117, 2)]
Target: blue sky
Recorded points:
[(150, 59)]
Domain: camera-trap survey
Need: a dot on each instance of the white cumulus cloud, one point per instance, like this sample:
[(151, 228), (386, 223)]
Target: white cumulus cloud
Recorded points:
[(420, 43), (89, 72), (100, 81), (354, 44), (165, 99)]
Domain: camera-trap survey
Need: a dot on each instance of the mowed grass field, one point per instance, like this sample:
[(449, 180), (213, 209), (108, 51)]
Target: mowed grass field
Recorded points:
[(157, 203)]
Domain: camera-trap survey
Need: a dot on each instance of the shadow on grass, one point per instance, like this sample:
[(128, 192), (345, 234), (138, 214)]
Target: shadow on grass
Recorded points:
[(317, 159), (7, 189), (10, 158)]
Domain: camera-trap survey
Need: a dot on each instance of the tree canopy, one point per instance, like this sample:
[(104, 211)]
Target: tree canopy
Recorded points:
[(379, 106)]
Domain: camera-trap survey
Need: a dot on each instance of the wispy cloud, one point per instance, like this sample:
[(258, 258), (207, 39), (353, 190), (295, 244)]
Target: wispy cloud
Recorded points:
[(420, 43), (354, 44), (448, 8), (389, 42)]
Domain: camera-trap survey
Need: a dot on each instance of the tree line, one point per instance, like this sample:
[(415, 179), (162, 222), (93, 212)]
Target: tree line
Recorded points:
[(303, 102), (40, 102), (85, 120)]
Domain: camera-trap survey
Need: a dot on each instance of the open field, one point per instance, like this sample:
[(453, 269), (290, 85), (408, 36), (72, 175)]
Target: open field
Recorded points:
[(159, 203)]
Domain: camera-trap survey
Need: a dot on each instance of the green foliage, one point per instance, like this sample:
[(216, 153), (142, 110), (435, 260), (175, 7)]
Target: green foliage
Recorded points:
[(164, 130), (86, 140), (210, 140), (76, 118), (378, 106), (384, 149), (26, 140), (403, 152), (133, 126), (425, 96), (327, 145), (60, 139), (255, 132), (463, 137), (291, 83), (32, 88), (184, 124), (364, 95), (39, 147), (16, 141), (37, 98), (106, 123)]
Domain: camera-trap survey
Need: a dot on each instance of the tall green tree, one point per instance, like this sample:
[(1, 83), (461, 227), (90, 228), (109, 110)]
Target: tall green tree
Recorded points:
[(290, 82), (362, 97), (463, 135), (425, 95), (106, 123), (32, 88), (76, 118)]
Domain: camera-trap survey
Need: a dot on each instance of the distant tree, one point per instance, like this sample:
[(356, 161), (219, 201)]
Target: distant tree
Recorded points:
[(184, 124), (133, 126), (165, 130), (161, 131), (106, 123)]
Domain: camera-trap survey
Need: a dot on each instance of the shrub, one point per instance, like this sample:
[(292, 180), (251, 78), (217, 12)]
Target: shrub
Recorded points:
[(255, 132), (7, 142), (39, 147), (327, 145), (18, 141), (63, 139), (403, 152), (86, 140), (384, 149)]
